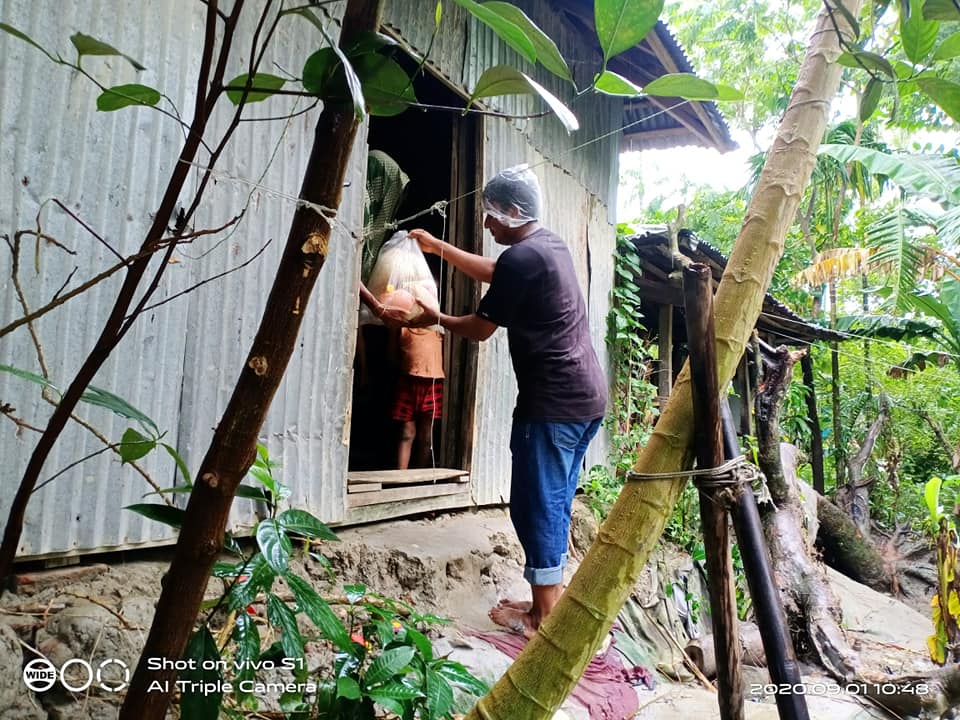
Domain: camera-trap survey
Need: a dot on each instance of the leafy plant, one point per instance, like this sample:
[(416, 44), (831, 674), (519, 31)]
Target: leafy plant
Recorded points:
[(946, 601), (381, 657)]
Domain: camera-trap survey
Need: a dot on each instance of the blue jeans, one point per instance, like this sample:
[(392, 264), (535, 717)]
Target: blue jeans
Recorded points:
[(545, 470)]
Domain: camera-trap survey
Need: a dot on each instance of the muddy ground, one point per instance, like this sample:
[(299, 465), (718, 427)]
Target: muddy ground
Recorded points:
[(453, 565)]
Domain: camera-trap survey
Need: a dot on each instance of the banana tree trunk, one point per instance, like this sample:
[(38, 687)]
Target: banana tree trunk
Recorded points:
[(551, 664)]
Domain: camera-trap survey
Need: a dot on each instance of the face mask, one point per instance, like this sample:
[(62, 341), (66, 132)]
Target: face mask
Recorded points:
[(509, 221)]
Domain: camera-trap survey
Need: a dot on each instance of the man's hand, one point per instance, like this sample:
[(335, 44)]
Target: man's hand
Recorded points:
[(428, 316), (428, 243)]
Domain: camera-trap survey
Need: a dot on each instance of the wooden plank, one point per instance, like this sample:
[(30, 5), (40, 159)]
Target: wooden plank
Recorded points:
[(393, 510), (363, 487), (404, 477), (405, 493)]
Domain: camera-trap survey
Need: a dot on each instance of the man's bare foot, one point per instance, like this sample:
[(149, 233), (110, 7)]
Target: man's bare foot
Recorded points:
[(520, 621), (524, 605)]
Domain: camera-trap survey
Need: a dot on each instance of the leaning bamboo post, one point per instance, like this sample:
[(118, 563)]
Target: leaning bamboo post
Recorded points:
[(757, 566), (701, 341)]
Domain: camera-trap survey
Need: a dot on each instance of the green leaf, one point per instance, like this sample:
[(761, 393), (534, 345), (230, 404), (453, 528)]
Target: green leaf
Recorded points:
[(394, 690), (324, 76), (274, 544), (134, 446), (438, 13), (354, 593), (251, 493), (931, 495), (941, 10), (369, 42), (546, 49), (621, 24), (32, 377), (87, 45), (320, 614), (282, 617), (949, 48), (121, 96), (611, 83), (944, 93), (181, 465), (458, 675), (118, 406), (862, 59), (386, 85), (172, 516), (917, 34), (197, 704), (27, 39), (348, 688), (439, 695), (303, 523), (259, 578), (932, 176), (421, 642), (348, 75), (265, 83), (246, 636), (387, 665), (506, 30), (505, 80), (690, 87), (871, 98)]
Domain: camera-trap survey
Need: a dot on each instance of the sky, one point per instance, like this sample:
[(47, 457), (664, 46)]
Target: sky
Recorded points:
[(675, 173)]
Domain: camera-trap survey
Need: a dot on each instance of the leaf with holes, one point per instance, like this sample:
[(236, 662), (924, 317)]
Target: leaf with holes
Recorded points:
[(622, 24), (505, 80)]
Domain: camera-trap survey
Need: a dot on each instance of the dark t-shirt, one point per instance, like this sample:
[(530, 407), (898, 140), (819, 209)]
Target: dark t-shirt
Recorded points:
[(535, 295)]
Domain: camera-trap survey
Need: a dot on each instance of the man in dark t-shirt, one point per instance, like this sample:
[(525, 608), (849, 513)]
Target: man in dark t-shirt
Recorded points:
[(562, 392)]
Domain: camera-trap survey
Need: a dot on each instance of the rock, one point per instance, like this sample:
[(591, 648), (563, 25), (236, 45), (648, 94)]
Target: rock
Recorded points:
[(17, 702)]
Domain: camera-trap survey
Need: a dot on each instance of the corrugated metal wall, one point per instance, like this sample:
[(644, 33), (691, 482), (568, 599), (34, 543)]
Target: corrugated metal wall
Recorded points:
[(179, 362)]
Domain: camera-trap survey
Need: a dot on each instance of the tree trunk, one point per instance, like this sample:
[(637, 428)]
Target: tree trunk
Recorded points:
[(542, 676), (846, 549), (810, 604), (816, 434), (233, 448), (854, 497)]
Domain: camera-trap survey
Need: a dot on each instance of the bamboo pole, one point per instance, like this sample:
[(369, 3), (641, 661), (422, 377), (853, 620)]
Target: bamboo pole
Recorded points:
[(757, 566), (701, 340)]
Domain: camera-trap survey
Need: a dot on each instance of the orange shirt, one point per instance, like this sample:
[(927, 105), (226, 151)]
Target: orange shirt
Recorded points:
[(421, 352)]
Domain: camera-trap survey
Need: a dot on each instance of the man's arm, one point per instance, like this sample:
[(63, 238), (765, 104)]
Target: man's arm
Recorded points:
[(472, 327), (476, 266)]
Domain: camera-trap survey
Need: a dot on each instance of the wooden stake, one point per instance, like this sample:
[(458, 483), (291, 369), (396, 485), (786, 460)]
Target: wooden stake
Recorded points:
[(701, 341)]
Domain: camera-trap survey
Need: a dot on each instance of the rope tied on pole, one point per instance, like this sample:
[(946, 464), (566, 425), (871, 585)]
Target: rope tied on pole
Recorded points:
[(737, 471)]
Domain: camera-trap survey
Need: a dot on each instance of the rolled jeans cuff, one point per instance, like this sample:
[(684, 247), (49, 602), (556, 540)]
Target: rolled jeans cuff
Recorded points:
[(546, 576)]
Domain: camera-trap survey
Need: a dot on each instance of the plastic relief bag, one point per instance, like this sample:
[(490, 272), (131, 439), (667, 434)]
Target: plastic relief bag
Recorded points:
[(401, 277)]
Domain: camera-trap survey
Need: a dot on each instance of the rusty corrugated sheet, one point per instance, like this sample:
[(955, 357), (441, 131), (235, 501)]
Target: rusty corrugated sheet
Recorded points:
[(180, 360)]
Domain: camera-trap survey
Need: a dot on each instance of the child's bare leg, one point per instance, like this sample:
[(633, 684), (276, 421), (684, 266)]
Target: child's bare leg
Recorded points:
[(423, 456), (408, 431)]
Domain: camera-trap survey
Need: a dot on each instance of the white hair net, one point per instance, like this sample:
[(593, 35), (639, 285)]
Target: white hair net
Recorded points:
[(514, 189)]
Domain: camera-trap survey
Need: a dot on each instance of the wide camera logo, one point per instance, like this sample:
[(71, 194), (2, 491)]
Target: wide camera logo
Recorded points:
[(76, 675)]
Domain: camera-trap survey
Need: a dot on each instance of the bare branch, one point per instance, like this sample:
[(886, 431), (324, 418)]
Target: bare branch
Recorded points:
[(209, 279), (65, 283), (86, 227), (284, 117)]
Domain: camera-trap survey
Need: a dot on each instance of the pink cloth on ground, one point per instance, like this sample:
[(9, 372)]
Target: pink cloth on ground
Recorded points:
[(606, 688)]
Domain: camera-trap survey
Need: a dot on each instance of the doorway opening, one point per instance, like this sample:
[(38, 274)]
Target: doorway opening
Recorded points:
[(439, 152)]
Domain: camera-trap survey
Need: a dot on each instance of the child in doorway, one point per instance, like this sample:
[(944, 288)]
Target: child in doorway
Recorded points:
[(419, 398)]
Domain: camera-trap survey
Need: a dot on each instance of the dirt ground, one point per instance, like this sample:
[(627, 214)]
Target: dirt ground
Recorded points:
[(453, 565)]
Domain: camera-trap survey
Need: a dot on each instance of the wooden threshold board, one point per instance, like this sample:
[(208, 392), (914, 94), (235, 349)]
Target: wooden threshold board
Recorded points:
[(389, 486)]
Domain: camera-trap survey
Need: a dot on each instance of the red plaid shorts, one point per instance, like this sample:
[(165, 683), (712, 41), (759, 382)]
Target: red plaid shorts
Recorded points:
[(417, 396)]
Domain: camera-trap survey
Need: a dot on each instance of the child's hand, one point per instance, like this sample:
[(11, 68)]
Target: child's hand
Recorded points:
[(428, 316), (393, 317)]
